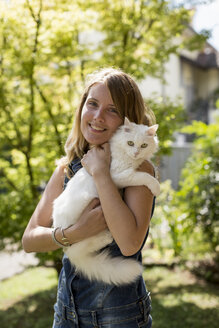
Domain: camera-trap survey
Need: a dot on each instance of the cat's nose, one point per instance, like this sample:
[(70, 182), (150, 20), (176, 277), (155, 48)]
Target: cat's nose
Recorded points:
[(136, 152)]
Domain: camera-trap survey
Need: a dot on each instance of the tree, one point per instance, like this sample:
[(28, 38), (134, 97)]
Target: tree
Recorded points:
[(138, 36)]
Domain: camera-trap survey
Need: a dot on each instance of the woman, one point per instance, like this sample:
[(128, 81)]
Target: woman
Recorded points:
[(110, 96)]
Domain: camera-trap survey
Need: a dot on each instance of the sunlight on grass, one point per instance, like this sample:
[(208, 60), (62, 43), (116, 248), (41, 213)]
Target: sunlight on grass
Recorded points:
[(28, 283), (202, 300), (181, 300)]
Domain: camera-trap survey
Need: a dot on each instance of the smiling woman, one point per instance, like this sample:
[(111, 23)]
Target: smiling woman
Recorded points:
[(109, 97)]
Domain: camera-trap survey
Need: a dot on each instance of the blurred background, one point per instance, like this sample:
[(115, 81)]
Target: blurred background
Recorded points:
[(171, 49)]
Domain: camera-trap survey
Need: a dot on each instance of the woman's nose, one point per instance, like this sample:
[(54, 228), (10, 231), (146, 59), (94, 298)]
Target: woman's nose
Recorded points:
[(99, 114)]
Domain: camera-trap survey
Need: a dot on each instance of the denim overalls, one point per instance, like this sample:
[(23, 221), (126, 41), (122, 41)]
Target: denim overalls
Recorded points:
[(82, 303)]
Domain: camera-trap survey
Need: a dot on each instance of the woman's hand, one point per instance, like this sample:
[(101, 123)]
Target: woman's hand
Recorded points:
[(92, 221), (97, 159)]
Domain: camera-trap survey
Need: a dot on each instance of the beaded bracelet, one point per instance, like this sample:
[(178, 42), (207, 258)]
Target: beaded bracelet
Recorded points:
[(54, 238)]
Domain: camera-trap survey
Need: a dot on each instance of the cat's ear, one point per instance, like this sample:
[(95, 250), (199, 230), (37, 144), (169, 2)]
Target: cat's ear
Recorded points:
[(126, 121), (152, 130), (127, 125)]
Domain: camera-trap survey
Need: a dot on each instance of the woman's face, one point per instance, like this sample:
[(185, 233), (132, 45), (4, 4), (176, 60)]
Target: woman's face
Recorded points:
[(99, 117)]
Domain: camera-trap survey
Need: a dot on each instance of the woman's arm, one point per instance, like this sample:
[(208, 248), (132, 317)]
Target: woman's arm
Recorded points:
[(127, 220), (37, 236)]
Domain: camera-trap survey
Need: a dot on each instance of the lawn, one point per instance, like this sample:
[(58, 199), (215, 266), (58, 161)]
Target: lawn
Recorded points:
[(179, 300), (26, 300)]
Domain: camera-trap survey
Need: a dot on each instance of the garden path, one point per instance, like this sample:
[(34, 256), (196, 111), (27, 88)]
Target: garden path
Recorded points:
[(14, 261)]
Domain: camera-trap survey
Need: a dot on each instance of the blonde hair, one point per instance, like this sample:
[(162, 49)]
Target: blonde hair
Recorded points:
[(127, 99)]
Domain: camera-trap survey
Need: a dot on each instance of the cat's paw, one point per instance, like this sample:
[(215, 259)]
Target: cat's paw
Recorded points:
[(155, 189)]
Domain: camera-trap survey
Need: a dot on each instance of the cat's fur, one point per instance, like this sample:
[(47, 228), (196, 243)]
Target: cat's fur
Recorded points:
[(80, 190)]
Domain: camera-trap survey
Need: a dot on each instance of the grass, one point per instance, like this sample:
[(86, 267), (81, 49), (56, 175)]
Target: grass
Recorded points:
[(26, 300), (179, 300)]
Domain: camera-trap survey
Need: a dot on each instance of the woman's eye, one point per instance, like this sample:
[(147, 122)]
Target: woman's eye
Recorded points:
[(144, 145), (113, 110), (130, 143), (92, 103)]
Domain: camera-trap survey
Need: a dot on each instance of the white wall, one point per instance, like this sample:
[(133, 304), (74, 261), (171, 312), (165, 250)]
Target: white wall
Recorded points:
[(173, 87), (171, 166)]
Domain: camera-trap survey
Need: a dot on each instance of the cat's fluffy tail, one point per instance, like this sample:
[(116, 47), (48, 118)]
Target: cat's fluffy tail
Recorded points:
[(111, 270)]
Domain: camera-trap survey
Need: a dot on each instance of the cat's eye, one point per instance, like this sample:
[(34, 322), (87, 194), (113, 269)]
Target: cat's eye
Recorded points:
[(144, 145), (130, 143)]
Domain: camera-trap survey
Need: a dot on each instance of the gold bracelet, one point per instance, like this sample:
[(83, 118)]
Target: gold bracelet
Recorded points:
[(64, 239), (54, 238)]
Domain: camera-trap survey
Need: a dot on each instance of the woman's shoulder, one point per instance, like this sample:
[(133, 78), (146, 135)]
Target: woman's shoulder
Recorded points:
[(60, 171), (57, 178)]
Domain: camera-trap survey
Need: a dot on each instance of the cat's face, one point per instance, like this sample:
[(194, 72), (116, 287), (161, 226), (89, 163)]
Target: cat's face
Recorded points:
[(138, 146), (136, 140)]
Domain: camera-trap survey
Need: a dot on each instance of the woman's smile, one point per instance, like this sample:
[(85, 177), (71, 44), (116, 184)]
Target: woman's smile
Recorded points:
[(96, 128)]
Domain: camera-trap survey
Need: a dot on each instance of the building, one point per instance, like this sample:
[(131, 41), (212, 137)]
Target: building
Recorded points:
[(194, 77)]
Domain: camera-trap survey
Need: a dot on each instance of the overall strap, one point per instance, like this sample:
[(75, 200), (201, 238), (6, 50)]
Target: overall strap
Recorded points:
[(74, 166)]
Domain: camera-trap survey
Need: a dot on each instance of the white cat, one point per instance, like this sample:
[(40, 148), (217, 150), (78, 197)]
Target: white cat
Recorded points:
[(130, 146)]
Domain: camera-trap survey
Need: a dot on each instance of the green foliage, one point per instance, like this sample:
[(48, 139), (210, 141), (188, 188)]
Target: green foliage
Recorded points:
[(187, 220), (167, 231), (36, 104), (170, 116), (199, 189), (174, 232), (139, 35), (46, 50)]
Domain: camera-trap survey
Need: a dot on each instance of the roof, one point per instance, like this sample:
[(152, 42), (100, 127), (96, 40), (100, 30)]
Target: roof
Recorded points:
[(207, 58), (203, 60)]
